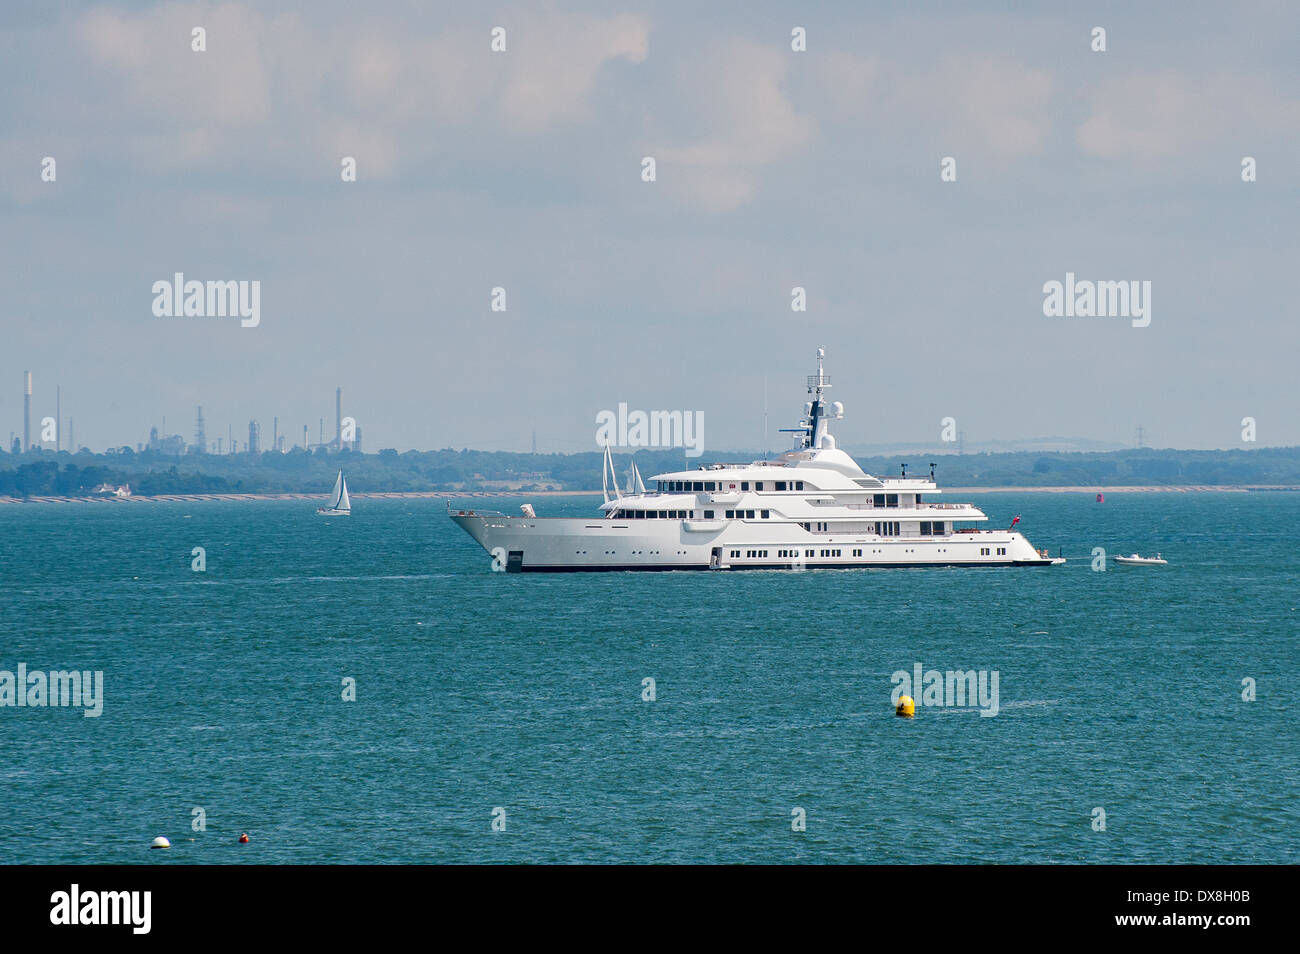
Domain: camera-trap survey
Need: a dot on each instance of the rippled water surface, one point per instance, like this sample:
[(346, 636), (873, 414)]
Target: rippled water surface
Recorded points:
[(475, 690)]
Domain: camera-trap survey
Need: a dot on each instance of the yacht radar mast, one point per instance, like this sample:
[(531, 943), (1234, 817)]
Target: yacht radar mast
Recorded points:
[(815, 428)]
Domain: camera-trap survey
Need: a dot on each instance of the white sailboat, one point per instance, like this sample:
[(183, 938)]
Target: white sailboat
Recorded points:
[(340, 505)]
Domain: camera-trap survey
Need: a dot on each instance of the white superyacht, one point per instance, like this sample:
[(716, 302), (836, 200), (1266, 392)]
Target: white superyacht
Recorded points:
[(810, 508)]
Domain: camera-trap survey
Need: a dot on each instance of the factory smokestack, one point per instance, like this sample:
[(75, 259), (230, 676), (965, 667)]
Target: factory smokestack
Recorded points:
[(27, 413), (338, 419), (200, 433)]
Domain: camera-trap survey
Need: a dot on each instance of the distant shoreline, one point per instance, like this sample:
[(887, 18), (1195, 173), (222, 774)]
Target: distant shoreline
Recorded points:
[(482, 494)]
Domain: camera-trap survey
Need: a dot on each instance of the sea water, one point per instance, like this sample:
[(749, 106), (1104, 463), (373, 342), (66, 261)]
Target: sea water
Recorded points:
[(366, 689)]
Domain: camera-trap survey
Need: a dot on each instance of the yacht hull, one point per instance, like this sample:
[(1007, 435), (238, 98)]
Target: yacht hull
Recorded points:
[(562, 544)]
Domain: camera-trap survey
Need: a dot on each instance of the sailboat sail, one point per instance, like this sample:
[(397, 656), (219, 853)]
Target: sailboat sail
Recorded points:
[(339, 503), (606, 474)]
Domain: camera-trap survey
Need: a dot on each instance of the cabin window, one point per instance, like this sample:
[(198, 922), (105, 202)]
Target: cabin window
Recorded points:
[(891, 500), (766, 514), (708, 515), (758, 486), (925, 528), (698, 486), (663, 514), (744, 485), (749, 515), (780, 485), (808, 553), (878, 500), (857, 553), (798, 485)]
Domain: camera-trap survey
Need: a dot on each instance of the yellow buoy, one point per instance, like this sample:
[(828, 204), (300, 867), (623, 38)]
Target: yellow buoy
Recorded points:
[(906, 707)]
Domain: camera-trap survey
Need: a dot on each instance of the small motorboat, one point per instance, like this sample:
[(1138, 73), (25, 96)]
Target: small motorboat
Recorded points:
[(1136, 560)]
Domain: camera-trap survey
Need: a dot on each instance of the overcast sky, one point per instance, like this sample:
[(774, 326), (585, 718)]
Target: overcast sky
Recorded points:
[(775, 168)]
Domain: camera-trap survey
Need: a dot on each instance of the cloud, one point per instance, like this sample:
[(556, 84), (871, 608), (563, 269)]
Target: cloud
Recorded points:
[(551, 63), (738, 96), (374, 90), (997, 107), (1154, 116)]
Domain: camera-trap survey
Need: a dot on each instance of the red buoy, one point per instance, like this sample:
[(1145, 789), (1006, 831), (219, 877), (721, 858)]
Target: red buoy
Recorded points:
[(243, 839)]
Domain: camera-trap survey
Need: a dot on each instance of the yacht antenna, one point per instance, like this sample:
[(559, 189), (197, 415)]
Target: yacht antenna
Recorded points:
[(766, 450)]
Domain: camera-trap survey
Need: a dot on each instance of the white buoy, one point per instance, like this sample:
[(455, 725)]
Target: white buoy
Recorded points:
[(160, 842)]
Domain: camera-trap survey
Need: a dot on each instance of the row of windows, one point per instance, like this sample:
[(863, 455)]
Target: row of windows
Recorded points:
[(886, 500), (931, 528), (887, 528), (708, 486), (747, 514), (794, 554), (984, 551), (658, 514)]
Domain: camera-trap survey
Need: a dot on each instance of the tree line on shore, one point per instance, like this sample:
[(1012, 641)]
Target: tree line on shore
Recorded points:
[(44, 473)]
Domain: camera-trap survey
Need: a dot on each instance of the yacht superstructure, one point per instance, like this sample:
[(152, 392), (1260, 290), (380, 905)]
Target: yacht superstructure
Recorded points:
[(812, 507)]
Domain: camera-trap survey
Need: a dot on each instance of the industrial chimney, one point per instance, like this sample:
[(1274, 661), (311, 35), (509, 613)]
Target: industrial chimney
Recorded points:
[(27, 414)]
